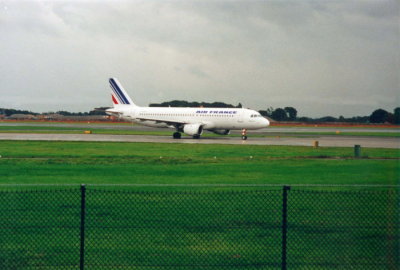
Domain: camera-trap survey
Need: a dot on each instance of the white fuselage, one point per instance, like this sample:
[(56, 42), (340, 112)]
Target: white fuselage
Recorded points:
[(191, 121), (209, 118)]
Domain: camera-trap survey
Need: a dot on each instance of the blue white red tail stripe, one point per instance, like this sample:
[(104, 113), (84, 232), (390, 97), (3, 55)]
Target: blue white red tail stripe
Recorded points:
[(119, 94), (114, 99)]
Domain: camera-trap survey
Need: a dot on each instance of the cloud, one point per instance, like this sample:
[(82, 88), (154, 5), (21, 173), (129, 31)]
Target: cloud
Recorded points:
[(342, 55)]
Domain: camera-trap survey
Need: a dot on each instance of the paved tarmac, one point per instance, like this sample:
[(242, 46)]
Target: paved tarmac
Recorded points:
[(272, 129), (336, 141), (274, 135)]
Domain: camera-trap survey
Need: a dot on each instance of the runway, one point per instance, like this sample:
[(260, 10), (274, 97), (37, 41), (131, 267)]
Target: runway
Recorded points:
[(324, 141), (271, 129)]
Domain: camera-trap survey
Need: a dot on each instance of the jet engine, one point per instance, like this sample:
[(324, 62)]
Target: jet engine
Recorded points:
[(221, 131), (193, 129)]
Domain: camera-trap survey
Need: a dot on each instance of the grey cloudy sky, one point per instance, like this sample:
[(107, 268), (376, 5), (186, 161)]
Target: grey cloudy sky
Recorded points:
[(322, 57)]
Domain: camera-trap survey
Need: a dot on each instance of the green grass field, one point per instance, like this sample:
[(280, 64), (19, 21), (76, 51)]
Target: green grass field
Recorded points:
[(151, 163), (196, 227)]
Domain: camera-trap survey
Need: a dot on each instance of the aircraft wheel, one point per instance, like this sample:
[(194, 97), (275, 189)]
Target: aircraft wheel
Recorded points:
[(176, 135), (244, 134)]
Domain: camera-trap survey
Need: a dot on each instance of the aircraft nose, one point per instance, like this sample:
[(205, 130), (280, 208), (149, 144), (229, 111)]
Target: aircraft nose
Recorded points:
[(265, 122)]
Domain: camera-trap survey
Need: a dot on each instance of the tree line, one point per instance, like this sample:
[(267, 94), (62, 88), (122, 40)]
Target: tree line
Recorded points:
[(278, 114), (97, 111), (377, 116), (183, 103)]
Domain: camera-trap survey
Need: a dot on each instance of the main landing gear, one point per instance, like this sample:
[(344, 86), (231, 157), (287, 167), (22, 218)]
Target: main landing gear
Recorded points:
[(177, 135), (244, 134)]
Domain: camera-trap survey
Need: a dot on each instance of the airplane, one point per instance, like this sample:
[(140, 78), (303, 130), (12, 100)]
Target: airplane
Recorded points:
[(191, 121)]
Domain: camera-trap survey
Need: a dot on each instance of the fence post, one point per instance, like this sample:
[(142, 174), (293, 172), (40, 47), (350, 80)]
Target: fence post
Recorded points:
[(83, 214), (284, 225), (357, 151)]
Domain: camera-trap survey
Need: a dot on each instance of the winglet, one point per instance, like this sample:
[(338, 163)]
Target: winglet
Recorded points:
[(118, 93)]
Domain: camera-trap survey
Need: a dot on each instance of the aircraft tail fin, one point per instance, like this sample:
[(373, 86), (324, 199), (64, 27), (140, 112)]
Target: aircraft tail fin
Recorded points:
[(118, 94)]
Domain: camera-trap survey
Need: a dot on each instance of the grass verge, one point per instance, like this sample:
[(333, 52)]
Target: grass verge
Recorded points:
[(32, 162)]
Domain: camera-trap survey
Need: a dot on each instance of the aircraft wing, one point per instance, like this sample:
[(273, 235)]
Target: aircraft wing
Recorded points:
[(159, 121)]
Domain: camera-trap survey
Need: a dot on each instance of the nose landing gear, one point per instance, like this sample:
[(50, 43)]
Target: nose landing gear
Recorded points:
[(244, 134)]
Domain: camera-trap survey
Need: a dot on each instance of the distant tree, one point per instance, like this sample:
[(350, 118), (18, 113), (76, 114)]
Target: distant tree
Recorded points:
[(268, 112), (397, 115), (99, 111), (178, 103), (390, 118), (9, 112), (305, 119), (279, 114), (379, 116), (65, 113), (360, 119), (291, 113), (219, 105), (356, 119), (183, 103), (327, 119)]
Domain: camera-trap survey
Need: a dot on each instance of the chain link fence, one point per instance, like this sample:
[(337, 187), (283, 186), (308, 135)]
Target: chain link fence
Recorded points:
[(225, 228)]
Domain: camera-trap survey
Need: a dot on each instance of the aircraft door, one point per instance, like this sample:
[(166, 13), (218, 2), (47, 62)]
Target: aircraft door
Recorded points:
[(241, 116)]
